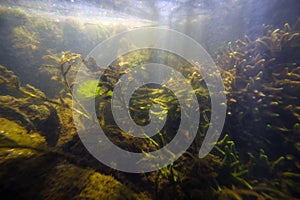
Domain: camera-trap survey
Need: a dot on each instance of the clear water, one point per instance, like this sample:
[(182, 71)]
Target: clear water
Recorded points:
[(44, 107)]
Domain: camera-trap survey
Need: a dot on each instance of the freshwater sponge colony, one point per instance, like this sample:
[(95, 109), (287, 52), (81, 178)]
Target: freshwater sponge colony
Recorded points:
[(43, 157)]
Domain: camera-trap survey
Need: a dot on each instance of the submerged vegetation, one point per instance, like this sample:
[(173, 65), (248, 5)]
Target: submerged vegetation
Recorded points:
[(258, 156)]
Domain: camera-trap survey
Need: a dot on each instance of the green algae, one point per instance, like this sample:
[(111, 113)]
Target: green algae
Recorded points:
[(88, 89)]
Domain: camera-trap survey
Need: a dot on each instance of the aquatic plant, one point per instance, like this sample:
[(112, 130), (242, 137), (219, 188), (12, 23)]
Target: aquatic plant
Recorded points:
[(257, 73), (25, 40), (224, 175), (24, 153), (28, 106), (9, 79), (261, 78), (262, 87), (61, 66), (29, 36)]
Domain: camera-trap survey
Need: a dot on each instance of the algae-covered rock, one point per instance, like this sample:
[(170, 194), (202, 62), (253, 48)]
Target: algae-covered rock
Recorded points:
[(16, 142), (101, 186), (67, 126), (32, 170), (49, 176), (67, 181), (18, 134), (40, 116)]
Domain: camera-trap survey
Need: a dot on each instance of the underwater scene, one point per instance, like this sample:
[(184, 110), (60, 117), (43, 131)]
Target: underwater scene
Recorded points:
[(158, 99)]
